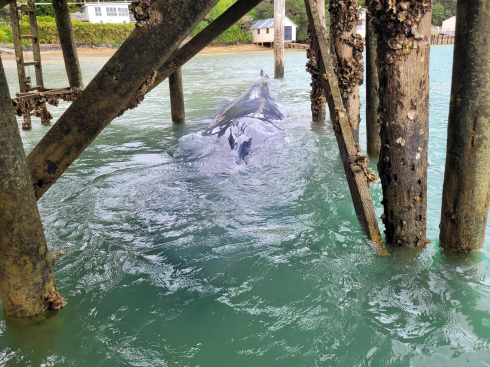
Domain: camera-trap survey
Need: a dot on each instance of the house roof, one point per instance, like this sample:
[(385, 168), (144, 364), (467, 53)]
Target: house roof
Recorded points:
[(266, 23)]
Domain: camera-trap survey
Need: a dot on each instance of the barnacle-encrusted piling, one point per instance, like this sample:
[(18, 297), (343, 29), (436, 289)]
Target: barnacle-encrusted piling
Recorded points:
[(466, 192), (359, 177), (403, 29), (372, 83), (177, 96), (317, 94), (145, 50), (27, 284), (279, 18), (67, 41), (348, 46)]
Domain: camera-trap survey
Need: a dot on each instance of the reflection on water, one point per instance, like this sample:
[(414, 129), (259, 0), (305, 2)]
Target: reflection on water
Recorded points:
[(177, 256)]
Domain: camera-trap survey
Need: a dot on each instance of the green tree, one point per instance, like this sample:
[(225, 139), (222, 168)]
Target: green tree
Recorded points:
[(44, 10), (236, 33), (438, 14), (449, 7)]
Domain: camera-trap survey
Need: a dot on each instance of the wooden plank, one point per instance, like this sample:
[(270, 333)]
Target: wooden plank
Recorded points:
[(44, 93), (31, 63), (161, 28), (358, 177)]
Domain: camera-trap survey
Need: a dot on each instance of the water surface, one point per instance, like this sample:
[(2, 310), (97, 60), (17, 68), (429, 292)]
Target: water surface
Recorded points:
[(176, 256)]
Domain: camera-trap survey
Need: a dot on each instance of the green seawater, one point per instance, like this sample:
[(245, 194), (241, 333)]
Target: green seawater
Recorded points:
[(176, 256)]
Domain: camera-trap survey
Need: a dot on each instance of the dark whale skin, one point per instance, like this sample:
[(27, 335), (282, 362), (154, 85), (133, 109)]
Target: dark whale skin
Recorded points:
[(249, 120)]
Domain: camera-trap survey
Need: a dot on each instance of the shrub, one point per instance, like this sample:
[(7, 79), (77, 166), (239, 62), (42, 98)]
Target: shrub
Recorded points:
[(8, 38), (86, 33), (46, 19), (3, 37)]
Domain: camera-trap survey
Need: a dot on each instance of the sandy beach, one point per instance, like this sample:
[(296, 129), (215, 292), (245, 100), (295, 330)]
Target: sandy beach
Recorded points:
[(103, 54)]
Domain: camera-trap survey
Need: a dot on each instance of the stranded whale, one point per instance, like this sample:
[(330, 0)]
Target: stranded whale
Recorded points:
[(249, 120)]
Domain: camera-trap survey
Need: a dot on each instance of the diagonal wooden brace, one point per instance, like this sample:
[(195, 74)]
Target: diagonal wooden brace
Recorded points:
[(358, 177), (146, 49)]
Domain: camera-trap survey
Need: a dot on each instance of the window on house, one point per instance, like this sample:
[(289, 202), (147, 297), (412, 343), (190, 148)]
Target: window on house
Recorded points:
[(98, 11), (258, 31), (111, 12), (122, 12), (267, 31)]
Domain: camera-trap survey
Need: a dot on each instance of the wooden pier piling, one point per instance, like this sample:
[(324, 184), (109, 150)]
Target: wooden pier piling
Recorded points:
[(403, 58), (358, 175), (27, 284), (177, 96), (348, 47), (317, 94), (466, 191), (372, 87), (24, 82), (279, 19), (67, 41)]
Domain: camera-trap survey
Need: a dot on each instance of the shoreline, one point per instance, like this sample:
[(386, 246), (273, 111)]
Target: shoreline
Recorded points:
[(100, 54)]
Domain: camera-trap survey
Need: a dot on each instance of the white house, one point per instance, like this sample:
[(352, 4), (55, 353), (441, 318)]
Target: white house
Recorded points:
[(448, 26), (104, 12), (263, 31)]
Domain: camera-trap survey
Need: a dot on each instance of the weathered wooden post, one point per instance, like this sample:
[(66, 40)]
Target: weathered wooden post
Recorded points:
[(177, 96), (27, 284), (279, 18), (372, 83), (36, 49), (67, 41), (403, 56), (348, 47), (24, 82), (466, 191), (317, 94)]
